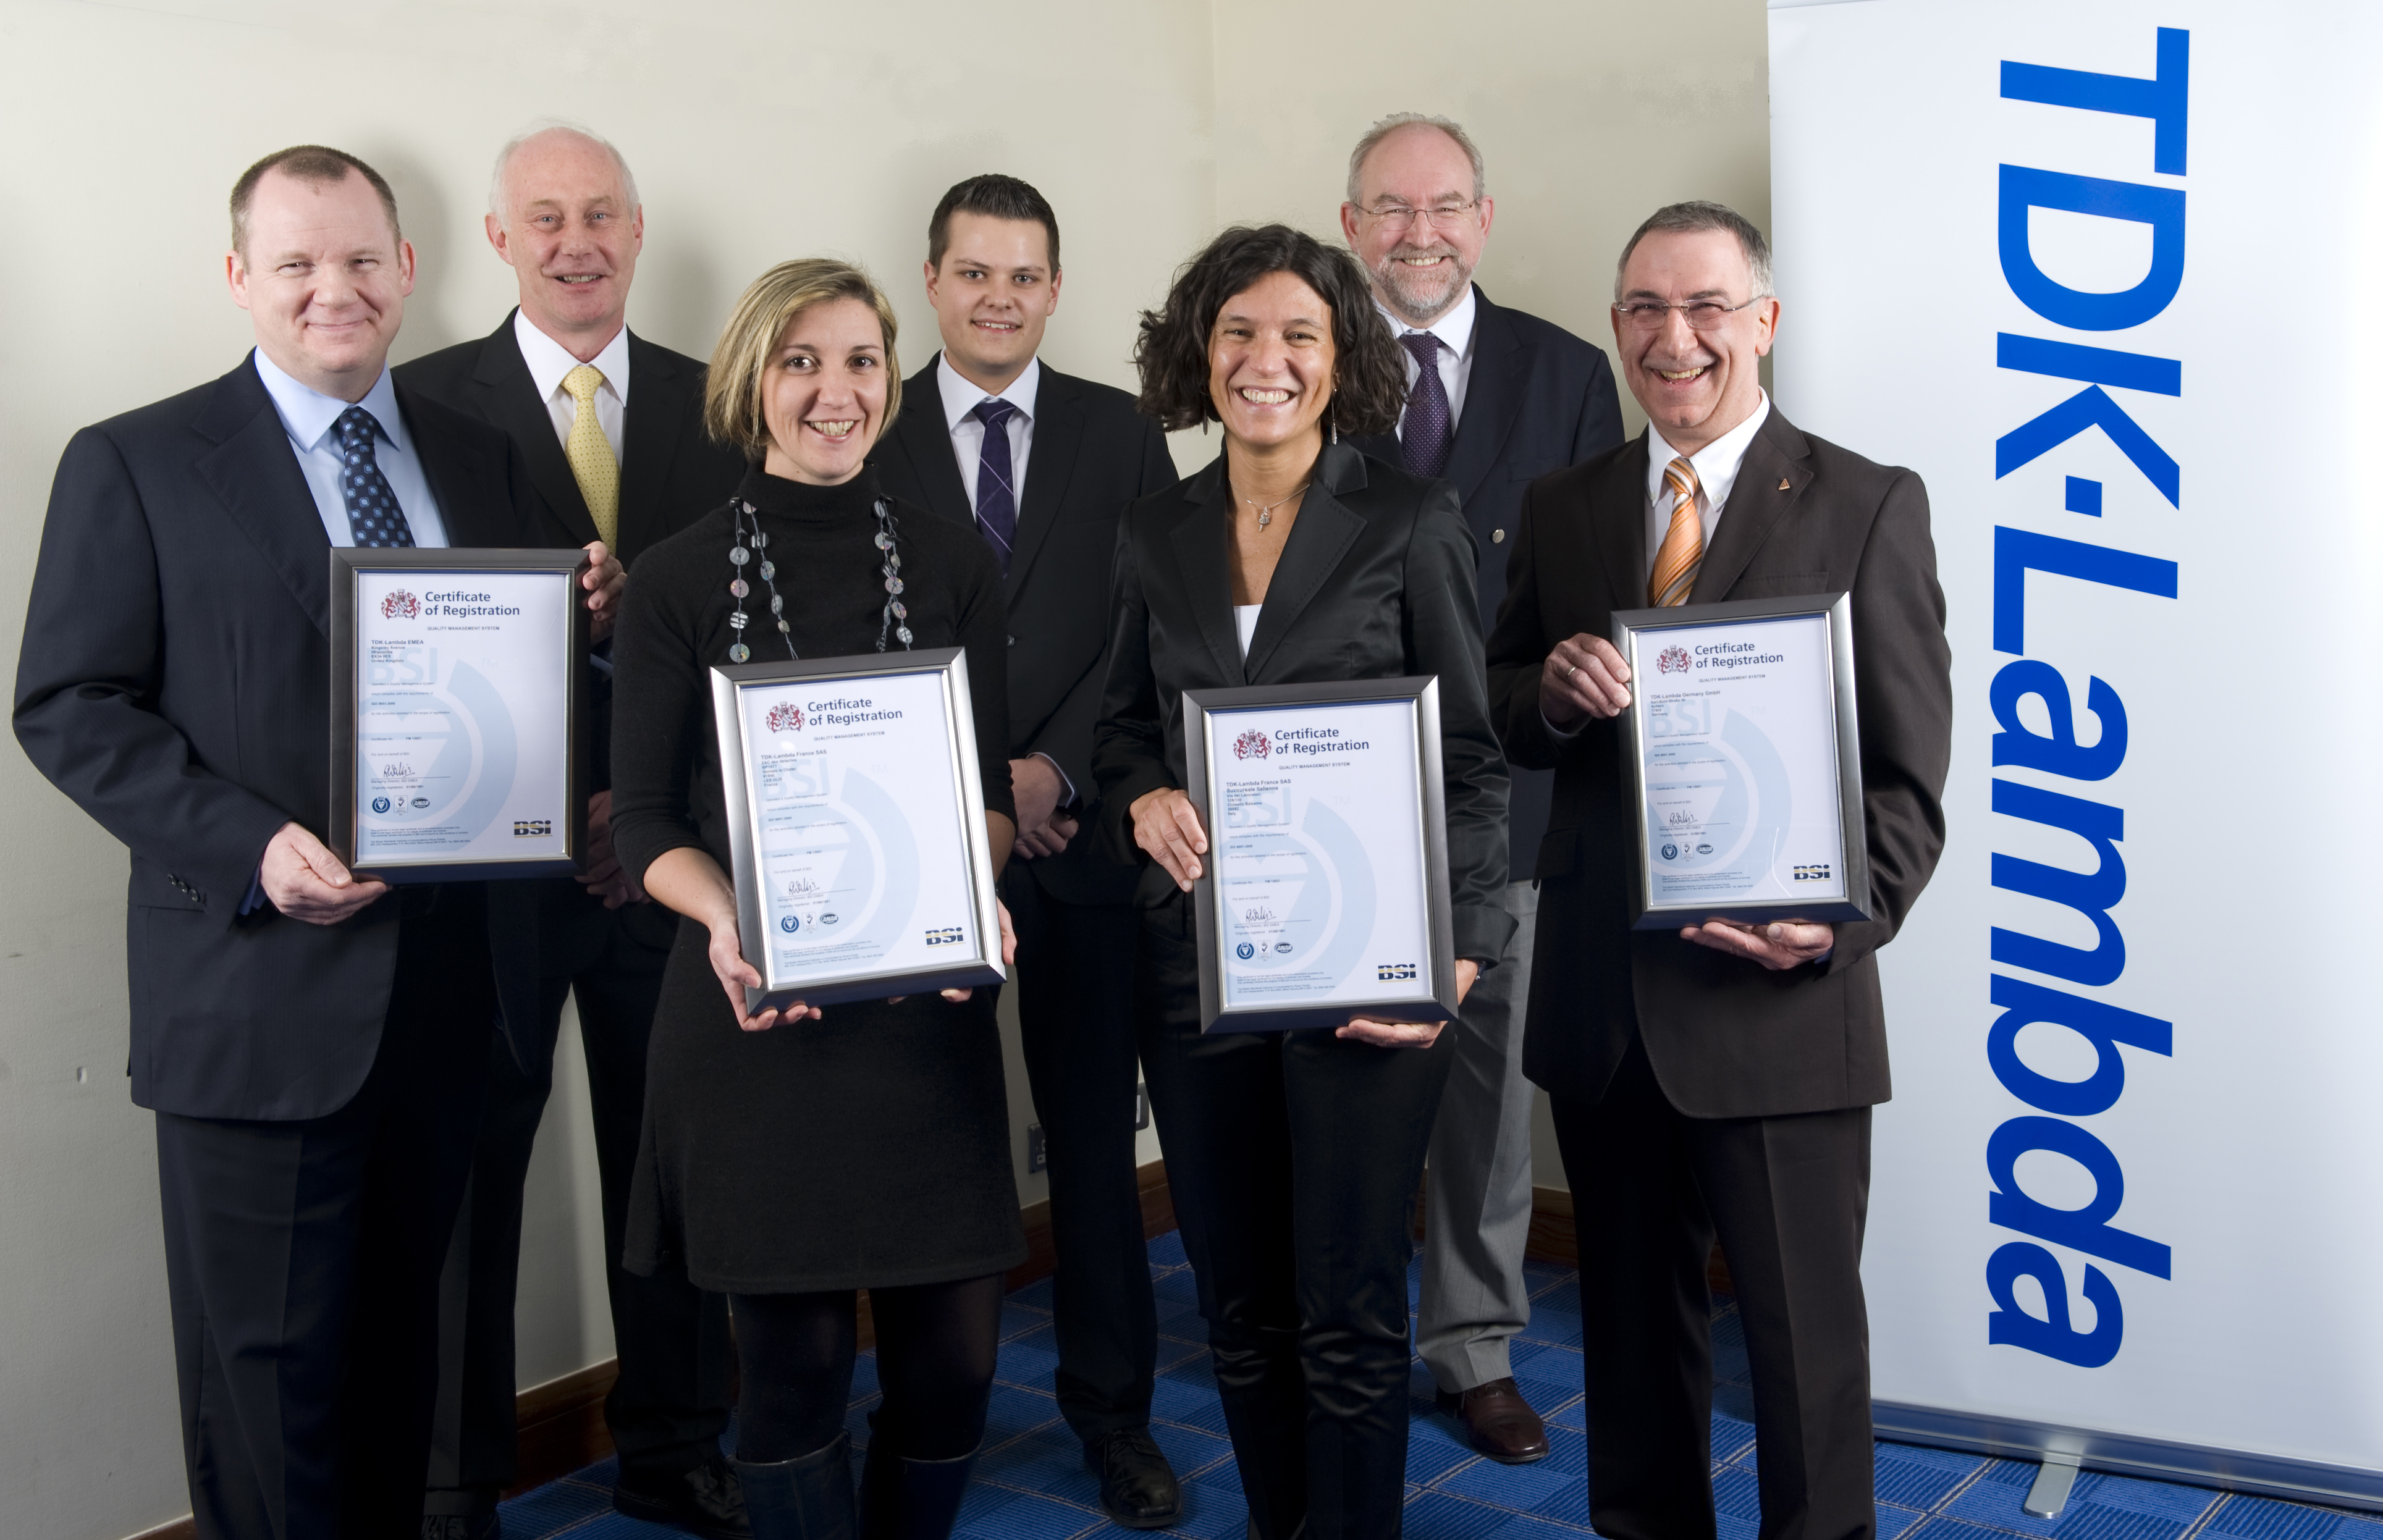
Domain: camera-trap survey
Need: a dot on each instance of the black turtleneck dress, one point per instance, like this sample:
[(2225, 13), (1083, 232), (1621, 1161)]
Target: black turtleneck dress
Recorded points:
[(870, 1148)]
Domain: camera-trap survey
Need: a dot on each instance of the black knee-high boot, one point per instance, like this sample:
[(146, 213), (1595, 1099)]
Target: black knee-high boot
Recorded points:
[(910, 1500), (808, 1497)]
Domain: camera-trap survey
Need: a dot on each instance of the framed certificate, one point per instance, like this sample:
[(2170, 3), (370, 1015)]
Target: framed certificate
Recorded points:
[(459, 688), (1325, 893), (856, 826), (1742, 759)]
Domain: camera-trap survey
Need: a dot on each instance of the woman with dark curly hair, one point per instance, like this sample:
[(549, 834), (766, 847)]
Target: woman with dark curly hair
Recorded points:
[(1291, 1156)]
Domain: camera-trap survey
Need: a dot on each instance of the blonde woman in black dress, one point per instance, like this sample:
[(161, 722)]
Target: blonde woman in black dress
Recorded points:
[(791, 1158)]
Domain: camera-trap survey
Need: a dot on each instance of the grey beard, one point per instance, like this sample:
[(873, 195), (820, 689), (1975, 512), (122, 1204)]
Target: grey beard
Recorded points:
[(1419, 302)]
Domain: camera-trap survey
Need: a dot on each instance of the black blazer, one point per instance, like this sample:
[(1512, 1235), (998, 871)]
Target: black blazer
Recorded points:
[(1375, 582), (671, 474), (1540, 398), (1726, 1038), (175, 682), (1093, 454)]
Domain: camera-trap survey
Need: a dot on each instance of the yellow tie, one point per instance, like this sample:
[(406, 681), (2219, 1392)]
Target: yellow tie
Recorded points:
[(590, 452), (1684, 543)]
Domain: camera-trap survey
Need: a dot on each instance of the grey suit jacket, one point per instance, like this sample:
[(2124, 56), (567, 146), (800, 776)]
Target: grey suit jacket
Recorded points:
[(1726, 1038)]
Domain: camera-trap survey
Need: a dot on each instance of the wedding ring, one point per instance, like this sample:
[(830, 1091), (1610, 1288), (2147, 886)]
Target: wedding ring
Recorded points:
[(1570, 670)]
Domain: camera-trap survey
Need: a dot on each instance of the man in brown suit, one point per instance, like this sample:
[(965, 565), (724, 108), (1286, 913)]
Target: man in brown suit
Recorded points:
[(1716, 1079)]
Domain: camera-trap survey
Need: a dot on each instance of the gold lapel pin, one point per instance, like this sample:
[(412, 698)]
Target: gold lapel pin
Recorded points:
[(1783, 484)]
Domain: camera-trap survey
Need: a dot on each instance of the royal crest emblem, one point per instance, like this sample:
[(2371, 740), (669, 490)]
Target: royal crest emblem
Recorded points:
[(785, 717), (399, 605), (1252, 745), (1672, 659)]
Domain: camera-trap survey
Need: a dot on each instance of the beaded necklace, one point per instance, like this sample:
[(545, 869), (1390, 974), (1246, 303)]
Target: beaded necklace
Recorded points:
[(746, 543)]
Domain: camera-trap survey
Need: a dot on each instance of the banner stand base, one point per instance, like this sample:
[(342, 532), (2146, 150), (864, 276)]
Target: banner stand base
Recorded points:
[(2306, 1480), (2049, 1494)]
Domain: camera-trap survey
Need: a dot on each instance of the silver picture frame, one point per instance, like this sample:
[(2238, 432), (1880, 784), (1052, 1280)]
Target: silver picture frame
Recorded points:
[(979, 963), (1641, 633), (1426, 806), (567, 667)]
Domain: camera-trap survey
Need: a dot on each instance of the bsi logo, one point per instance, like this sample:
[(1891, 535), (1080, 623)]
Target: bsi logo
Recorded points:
[(1818, 873), (533, 829), (946, 935), (1394, 972)]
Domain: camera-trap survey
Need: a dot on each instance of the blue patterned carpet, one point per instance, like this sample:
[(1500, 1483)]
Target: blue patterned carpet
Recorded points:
[(1031, 1484)]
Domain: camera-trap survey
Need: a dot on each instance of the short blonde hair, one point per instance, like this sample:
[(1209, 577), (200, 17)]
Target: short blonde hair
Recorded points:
[(732, 393)]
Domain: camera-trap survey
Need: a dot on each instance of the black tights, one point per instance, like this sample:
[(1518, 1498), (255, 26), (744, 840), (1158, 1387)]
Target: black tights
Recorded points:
[(935, 1347)]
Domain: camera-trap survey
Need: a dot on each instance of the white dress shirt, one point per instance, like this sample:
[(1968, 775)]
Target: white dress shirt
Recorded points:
[(1716, 466), (308, 416), (960, 400), (549, 361), (1455, 333), (1245, 625)]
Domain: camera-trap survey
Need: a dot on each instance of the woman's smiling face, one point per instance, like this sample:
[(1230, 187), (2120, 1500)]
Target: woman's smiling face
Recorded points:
[(1270, 359), (823, 398)]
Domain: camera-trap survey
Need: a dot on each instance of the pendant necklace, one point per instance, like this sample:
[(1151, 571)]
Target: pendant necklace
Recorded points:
[(750, 540), (1266, 511)]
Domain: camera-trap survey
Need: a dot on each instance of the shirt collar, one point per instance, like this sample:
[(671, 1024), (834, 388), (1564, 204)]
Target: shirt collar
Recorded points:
[(1716, 464), (307, 414), (960, 397), (1453, 329), (549, 361)]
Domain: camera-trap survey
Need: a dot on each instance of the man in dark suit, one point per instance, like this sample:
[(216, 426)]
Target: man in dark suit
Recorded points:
[(1042, 464), (1717, 1078), (1506, 398), (611, 427), (313, 1045)]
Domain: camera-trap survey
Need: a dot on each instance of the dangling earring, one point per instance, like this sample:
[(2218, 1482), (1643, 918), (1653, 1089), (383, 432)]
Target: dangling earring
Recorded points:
[(1332, 421)]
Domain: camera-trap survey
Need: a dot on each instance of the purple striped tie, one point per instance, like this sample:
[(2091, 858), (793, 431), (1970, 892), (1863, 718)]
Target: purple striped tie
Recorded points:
[(997, 498), (1425, 435)]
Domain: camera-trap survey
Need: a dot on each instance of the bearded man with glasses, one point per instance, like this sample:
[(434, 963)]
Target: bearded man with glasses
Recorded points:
[(1495, 398), (1717, 1079)]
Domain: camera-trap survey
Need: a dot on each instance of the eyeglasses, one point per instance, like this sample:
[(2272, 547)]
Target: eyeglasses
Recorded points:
[(1702, 315), (1398, 219)]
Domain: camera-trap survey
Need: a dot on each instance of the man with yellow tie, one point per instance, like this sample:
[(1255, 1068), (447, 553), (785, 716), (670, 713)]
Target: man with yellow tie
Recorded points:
[(612, 427), (1716, 1080)]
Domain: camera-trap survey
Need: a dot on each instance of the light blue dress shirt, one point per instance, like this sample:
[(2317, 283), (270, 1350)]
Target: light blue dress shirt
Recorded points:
[(309, 418)]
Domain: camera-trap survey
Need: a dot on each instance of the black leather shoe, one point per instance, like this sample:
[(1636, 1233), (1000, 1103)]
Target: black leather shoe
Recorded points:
[(1138, 1487), (703, 1501), (457, 1526)]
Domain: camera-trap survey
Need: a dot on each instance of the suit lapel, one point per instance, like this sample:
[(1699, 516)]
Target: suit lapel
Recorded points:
[(648, 438), (927, 439), (1619, 527), (1324, 531), (1050, 466), (1493, 394), (1199, 542), (1754, 507), (254, 472), (509, 399)]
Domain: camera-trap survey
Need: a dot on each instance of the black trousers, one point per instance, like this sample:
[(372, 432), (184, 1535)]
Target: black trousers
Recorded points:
[(1294, 1158), (667, 1408), (302, 1263), (1075, 1014), (1652, 1186)]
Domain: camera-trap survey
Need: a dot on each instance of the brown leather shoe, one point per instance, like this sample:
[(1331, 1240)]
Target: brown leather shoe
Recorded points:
[(1498, 1423)]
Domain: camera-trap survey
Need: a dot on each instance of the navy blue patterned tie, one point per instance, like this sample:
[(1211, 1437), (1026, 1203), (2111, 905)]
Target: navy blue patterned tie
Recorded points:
[(996, 489), (1426, 432), (374, 517)]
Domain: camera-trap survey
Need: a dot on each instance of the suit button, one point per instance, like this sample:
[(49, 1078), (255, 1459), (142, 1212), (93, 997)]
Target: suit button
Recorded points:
[(1497, 537), (1013, 641)]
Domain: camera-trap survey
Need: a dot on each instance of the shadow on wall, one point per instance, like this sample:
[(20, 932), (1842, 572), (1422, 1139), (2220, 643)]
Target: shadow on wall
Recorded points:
[(439, 245)]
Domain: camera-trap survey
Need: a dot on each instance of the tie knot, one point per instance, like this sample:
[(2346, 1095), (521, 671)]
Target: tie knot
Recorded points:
[(356, 427), (582, 383), (992, 411), (1423, 345), (1681, 477)]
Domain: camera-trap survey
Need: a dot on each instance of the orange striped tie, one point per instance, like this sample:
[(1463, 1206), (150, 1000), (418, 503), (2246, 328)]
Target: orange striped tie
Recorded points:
[(1684, 543)]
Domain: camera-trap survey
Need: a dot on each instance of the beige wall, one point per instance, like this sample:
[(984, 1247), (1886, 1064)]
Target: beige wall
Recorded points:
[(758, 131)]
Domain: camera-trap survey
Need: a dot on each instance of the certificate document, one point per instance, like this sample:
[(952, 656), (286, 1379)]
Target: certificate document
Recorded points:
[(1323, 888), (863, 828), (460, 684), (1735, 723)]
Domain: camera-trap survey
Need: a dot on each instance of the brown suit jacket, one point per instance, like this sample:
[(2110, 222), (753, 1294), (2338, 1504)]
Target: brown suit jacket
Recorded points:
[(1727, 1038)]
